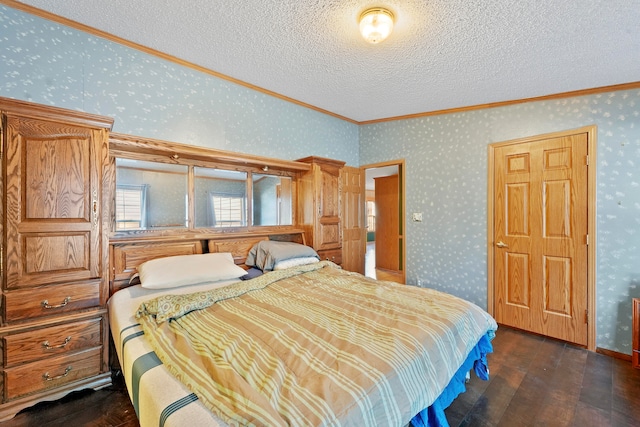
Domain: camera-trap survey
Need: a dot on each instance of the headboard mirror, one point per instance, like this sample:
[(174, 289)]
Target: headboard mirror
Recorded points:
[(220, 198), (272, 200), (161, 186), (150, 195)]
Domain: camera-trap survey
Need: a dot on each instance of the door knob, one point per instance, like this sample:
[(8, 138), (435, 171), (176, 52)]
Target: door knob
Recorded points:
[(502, 244)]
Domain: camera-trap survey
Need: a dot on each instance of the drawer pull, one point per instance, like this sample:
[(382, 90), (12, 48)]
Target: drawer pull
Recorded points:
[(45, 304), (46, 376), (48, 346)]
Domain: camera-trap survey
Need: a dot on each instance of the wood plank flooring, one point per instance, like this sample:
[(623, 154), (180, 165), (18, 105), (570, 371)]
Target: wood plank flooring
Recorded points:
[(379, 273), (534, 382), (537, 381)]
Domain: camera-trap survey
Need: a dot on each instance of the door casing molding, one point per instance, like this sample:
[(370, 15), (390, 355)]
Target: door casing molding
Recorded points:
[(402, 168), (591, 132)]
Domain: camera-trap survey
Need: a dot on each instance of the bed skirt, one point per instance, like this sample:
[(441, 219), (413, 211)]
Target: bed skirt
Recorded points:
[(434, 416)]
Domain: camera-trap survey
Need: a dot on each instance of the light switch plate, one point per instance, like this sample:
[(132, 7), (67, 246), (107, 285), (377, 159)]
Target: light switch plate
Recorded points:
[(416, 217)]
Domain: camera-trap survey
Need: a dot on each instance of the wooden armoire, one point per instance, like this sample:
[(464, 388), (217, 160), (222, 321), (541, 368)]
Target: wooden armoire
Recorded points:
[(319, 209), (54, 254)]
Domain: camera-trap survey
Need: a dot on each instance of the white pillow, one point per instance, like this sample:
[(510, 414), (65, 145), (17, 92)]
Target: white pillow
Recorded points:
[(183, 270), (294, 262)]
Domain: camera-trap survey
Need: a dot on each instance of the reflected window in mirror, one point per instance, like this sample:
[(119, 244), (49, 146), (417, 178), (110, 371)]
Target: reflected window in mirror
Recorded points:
[(150, 195), (220, 198), (271, 200), (131, 207)]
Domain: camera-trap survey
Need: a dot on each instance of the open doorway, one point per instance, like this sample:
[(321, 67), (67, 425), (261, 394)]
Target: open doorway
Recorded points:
[(384, 256)]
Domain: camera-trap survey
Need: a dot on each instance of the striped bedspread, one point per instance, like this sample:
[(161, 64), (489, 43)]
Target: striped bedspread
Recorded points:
[(314, 345)]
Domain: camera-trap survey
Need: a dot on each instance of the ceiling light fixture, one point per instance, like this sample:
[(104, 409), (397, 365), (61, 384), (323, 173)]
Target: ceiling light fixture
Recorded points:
[(376, 24)]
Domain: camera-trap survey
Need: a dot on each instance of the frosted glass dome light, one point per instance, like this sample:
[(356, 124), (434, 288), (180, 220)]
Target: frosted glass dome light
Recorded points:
[(376, 24)]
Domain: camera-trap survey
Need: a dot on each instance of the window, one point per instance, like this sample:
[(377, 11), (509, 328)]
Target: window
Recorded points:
[(131, 211), (228, 210)]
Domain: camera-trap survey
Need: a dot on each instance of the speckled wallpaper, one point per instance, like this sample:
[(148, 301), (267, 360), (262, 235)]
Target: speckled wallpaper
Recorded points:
[(446, 180), (42, 61), (446, 155)]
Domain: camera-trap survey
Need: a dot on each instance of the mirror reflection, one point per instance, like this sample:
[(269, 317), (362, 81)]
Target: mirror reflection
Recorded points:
[(154, 195), (271, 200), (220, 198), (150, 195)]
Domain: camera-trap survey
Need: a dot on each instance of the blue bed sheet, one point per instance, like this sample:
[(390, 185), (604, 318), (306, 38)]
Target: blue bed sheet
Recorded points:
[(434, 416)]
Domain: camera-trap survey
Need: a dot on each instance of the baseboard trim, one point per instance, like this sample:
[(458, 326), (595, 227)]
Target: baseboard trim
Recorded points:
[(614, 354)]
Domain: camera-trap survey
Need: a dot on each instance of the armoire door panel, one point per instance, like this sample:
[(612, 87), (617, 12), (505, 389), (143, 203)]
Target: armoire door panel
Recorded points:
[(329, 234), (53, 183), (57, 166), (329, 195), (64, 254)]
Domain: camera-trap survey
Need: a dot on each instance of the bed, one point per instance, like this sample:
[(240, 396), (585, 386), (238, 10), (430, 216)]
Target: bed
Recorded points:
[(369, 358)]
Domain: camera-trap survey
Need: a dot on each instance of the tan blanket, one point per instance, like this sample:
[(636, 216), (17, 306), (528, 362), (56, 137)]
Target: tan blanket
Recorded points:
[(314, 345)]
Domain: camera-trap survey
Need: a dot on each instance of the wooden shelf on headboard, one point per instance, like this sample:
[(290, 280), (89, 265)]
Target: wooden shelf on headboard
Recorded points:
[(122, 145), (127, 254)]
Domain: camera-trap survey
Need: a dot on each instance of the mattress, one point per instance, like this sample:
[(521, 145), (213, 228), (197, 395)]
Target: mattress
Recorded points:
[(160, 399)]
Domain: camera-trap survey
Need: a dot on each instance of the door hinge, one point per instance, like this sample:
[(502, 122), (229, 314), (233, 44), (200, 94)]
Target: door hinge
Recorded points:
[(586, 317), (587, 159), (587, 239)]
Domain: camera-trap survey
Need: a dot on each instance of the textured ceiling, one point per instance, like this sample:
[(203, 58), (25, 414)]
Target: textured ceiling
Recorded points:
[(442, 54)]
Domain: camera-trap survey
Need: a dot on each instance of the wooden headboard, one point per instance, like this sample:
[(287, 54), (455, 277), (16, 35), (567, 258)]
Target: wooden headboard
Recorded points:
[(127, 255), (240, 245)]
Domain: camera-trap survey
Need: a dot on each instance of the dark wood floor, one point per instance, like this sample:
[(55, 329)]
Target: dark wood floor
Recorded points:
[(534, 382)]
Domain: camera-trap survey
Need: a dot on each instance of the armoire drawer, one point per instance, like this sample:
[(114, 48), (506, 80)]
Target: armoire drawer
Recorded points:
[(333, 255), (51, 300), (55, 340), (51, 372)]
